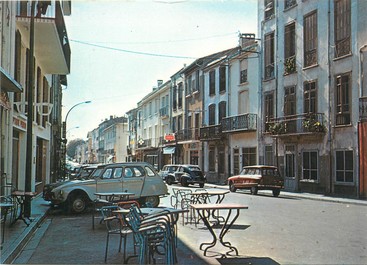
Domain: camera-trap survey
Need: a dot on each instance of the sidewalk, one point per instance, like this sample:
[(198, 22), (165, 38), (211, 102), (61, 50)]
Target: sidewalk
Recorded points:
[(17, 235)]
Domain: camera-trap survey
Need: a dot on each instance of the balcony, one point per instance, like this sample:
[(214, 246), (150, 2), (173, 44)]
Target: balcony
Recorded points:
[(51, 43), (187, 135), (213, 132), (243, 122), (144, 143), (163, 112), (363, 109), (297, 125)]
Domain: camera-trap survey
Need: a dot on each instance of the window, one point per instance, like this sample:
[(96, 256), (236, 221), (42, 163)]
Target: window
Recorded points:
[(289, 3), (269, 109), (268, 9), (310, 96), (212, 83), (243, 71), (18, 63), (310, 39), (107, 174), (342, 25), (201, 83), (117, 173), (310, 165), (290, 49), (344, 166), (248, 156), (222, 111), (174, 96), (222, 79), (269, 56), (179, 123), (289, 100), (269, 155), (180, 93), (212, 114), (188, 86), (342, 99), (45, 99), (212, 158)]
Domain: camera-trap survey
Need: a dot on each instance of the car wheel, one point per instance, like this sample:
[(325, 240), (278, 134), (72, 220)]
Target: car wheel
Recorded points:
[(201, 185), (152, 201), (276, 192), (78, 203), (169, 180), (184, 183), (254, 190), (232, 188)]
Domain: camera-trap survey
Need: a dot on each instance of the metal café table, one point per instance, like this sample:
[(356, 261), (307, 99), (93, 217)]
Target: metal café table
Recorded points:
[(21, 197), (108, 198), (207, 210), (205, 194)]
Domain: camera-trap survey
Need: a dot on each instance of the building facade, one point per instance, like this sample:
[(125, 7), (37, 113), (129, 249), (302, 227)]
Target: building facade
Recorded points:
[(311, 80), (48, 48)]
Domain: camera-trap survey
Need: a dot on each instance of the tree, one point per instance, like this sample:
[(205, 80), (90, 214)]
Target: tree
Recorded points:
[(72, 145)]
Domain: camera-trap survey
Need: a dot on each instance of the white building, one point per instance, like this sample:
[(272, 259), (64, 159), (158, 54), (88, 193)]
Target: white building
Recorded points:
[(311, 83)]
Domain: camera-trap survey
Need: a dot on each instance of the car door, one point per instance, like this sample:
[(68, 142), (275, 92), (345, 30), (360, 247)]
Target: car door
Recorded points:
[(110, 181), (133, 180), (178, 173)]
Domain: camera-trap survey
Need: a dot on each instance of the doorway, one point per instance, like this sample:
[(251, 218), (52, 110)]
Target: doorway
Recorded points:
[(290, 180)]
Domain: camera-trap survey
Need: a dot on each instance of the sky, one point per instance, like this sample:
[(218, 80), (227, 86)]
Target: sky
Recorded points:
[(119, 49)]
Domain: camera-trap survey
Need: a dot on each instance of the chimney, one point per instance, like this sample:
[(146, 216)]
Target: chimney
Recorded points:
[(159, 82), (246, 39), (111, 117)]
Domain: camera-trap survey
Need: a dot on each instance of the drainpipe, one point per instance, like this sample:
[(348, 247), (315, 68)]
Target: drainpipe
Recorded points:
[(329, 106), (276, 76), (29, 151)]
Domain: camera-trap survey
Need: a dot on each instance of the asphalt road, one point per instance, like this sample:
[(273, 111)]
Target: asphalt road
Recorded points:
[(272, 231)]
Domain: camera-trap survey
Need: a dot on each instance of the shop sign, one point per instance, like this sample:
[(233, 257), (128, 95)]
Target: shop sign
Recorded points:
[(169, 137)]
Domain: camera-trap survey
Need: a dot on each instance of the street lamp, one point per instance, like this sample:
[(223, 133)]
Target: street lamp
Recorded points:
[(64, 130)]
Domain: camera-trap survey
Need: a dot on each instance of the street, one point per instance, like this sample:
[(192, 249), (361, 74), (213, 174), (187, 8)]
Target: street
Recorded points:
[(272, 231)]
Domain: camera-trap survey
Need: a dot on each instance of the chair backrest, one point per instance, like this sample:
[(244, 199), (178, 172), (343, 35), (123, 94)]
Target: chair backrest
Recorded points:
[(110, 219)]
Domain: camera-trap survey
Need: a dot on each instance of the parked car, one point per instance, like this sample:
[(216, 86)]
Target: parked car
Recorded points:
[(167, 169), (256, 178), (186, 175), (91, 171), (138, 178)]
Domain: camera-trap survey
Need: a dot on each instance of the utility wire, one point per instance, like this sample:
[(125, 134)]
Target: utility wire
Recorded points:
[(134, 52)]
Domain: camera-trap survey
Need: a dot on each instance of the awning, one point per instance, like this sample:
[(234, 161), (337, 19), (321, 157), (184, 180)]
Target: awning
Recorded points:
[(8, 83), (169, 150)]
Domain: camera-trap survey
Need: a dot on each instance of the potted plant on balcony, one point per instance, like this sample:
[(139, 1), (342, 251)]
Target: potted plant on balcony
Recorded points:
[(312, 125), (277, 128)]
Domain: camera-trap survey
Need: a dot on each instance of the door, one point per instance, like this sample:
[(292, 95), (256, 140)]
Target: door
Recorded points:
[(110, 181), (133, 180), (290, 182)]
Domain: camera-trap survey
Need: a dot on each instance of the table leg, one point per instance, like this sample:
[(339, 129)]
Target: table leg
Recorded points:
[(225, 229), (204, 215)]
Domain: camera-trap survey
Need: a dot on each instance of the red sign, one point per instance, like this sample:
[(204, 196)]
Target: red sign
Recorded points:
[(169, 137)]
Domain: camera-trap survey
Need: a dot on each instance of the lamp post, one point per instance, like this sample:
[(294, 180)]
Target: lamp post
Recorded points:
[(64, 131), (76, 127)]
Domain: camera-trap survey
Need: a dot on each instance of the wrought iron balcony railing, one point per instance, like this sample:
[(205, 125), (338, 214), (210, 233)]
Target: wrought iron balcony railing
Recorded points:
[(243, 122), (188, 134), (213, 132), (308, 123)]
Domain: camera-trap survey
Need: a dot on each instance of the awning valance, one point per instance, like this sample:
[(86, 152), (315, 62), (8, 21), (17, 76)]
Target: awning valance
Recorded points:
[(169, 150), (8, 83)]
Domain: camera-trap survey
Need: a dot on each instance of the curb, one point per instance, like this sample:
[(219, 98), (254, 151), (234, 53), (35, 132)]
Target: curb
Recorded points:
[(14, 249), (307, 196)]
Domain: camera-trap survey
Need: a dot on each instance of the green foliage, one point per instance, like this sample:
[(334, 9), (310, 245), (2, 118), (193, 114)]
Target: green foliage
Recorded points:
[(71, 147)]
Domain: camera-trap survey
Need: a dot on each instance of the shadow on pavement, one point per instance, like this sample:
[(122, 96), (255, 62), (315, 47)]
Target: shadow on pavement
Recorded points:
[(248, 261)]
